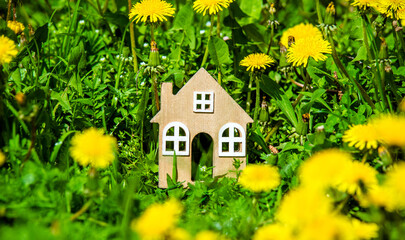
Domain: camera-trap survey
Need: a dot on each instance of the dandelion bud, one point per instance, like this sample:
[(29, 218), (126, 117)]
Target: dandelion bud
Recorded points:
[(330, 14), (384, 155), (272, 9), (20, 98), (383, 49), (402, 105), (264, 114), (154, 58)]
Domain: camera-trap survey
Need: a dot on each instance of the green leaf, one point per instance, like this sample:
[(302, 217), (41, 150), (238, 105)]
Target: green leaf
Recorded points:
[(252, 8), (219, 51), (62, 99), (275, 91), (184, 17), (58, 145), (361, 54)]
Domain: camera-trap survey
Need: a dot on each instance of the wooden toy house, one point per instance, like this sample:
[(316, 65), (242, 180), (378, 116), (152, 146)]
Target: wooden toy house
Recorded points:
[(200, 106)]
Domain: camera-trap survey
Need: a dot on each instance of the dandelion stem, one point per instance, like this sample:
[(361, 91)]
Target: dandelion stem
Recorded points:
[(271, 39), (249, 94), (82, 210), (318, 12), (132, 35), (218, 25), (8, 10), (365, 38), (257, 102), (342, 69), (209, 38)]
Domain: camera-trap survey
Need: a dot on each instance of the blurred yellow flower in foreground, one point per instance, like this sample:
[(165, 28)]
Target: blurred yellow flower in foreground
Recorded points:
[(324, 169), (93, 147), (358, 178), (390, 129), (151, 11), (212, 6), (361, 136), (256, 61), (158, 220), (364, 230), (8, 50), (258, 178), (273, 232), (300, 51), (16, 26), (209, 235)]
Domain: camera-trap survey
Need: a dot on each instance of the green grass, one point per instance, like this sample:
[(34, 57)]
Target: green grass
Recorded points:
[(77, 71)]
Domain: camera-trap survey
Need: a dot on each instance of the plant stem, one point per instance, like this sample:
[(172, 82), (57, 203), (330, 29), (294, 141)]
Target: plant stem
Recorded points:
[(249, 94), (132, 35), (218, 24), (342, 69), (365, 38), (257, 102), (209, 38), (8, 10), (271, 39), (82, 210), (318, 12)]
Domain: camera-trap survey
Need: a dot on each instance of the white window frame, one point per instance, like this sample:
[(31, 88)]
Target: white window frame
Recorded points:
[(176, 139), (204, 102), (231, 140)]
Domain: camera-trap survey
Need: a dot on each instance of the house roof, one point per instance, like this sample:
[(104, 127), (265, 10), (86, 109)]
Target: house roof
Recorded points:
[(201, 81)]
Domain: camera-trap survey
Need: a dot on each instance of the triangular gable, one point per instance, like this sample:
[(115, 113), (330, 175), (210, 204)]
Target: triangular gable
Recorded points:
[(203, 78)]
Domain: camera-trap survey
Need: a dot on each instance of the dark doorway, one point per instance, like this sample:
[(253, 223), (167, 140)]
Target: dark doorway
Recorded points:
[(202, 152)]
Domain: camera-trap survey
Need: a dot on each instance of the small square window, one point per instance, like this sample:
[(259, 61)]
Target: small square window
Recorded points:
[(203, 102), (182, 132), (236, 133)]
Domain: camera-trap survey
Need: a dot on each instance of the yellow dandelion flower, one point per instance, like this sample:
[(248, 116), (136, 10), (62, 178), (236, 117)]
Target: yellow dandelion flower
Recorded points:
[(258, 178), (391, 8), (212, 6), (329, 227), (364, 230), (2, 158), (158, 220), (379, 196), (390, 129), (16, 26), (395, 186), (358, 178), (257, 61), (8, 50), (324, 169), (93, 147), (273, 232), (303, 205), (179, 234), (300, 31), (363, 4), (361, 136), (151, 11), (300, 51), (209, 235)]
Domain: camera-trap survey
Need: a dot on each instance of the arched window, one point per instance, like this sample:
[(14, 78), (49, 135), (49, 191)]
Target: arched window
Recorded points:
[(232, 140), (176, 138)]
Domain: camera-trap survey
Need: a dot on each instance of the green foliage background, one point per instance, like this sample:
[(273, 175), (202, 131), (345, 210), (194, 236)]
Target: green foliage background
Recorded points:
[(77, 71)]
